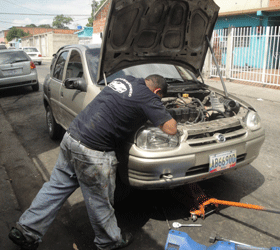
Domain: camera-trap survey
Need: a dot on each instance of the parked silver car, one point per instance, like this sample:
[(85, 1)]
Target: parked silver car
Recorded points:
[(218, 132), (34, 54), (17, 70)]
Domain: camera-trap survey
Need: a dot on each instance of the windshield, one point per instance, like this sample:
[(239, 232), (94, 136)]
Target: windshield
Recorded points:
[(169, 72), (172, 74), (30, 49), (12, 57)]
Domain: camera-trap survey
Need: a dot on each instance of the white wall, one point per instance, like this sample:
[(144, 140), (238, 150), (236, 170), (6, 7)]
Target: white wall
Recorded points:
[(235, 5), (96, 38)]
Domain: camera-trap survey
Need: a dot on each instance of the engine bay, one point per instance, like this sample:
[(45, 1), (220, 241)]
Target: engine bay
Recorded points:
[(199, 105)]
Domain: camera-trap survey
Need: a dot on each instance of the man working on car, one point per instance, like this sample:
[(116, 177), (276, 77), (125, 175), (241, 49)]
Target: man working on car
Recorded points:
[(87, 159)]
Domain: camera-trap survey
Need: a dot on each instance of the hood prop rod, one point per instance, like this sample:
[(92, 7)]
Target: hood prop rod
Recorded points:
[(105, 80), (218, 67)]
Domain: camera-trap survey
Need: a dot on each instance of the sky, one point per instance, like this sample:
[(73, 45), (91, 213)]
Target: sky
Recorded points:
[(22, 13)]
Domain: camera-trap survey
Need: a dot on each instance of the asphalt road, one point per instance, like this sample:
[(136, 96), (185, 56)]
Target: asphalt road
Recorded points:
[(145, 212)]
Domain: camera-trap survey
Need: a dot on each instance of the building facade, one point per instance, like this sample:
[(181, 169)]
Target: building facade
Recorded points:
[(48, 43)]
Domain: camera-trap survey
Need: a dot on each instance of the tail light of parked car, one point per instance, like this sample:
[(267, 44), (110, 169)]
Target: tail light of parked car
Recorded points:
[(32, 65), (39, 55)]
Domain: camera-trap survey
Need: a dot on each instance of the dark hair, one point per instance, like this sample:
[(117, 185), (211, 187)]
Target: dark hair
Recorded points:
[(158, 82)]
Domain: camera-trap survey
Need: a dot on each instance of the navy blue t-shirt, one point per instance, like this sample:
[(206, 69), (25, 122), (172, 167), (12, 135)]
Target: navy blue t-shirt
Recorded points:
[(117, 111)]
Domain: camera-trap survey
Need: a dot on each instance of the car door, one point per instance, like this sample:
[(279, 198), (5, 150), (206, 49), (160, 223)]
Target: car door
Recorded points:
[(72, 100), (56, 83)]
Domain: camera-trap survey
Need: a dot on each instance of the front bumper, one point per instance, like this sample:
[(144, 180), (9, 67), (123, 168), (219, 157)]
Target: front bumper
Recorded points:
[(169, 172)]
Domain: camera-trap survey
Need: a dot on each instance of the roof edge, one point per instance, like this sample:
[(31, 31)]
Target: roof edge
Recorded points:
[(249, 11), (100, 8)]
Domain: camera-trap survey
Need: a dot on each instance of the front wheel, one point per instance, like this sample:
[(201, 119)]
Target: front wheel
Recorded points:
[(54, 129)]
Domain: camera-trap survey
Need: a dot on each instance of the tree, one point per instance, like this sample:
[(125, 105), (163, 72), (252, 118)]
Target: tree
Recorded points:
[(60, 22), (31, 25), (15, 33), (44, 26), (94, 7)]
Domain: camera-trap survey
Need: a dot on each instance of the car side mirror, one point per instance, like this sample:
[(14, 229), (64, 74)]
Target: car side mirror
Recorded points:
[(76, 83)]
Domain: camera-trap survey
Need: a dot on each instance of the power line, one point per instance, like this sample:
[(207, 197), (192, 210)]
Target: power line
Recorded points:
[(24, 14), (20, 6)]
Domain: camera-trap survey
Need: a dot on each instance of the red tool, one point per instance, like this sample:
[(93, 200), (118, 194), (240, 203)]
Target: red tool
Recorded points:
[(201, 208)]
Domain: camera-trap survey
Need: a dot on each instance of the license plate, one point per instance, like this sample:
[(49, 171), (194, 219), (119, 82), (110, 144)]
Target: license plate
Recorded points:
[(222, 161), (12, 72)]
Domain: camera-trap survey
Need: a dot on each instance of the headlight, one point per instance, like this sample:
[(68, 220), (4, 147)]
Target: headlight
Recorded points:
[(253, 120), (155, 138)]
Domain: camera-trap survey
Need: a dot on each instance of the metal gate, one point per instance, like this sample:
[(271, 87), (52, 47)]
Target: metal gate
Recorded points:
[(247, 54)]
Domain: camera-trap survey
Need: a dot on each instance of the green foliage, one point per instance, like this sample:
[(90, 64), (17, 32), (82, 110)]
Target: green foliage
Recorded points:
[(44, 26), (15, 33), (60, 22), (31, 26), (94, 7)]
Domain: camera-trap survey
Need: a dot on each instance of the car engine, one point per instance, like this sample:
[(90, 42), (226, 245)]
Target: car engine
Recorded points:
[(199, 106)]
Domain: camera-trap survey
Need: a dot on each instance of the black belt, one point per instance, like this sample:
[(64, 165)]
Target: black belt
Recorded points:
[(92, 148)]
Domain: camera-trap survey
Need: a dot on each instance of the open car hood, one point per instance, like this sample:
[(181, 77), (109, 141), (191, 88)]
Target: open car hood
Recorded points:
[(156, 31)]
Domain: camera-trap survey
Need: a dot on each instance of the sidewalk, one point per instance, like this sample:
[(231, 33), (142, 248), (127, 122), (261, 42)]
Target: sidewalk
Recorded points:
[(15, 165), (19, 183), (248, 89)]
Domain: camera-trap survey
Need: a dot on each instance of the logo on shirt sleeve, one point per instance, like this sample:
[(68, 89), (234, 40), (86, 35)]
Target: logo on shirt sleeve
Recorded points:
[(119, 85)]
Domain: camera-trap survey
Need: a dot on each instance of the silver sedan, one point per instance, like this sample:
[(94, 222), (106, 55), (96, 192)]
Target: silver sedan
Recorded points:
[(17, 70)]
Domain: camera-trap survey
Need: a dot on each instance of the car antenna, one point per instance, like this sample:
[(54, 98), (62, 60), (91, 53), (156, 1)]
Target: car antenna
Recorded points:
[(217, 66), (105, 80)]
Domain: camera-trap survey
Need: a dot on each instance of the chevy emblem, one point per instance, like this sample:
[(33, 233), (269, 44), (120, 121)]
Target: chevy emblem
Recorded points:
[(220, 138)]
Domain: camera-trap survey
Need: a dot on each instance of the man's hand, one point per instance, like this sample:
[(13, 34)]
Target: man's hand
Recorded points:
[(169, 127)]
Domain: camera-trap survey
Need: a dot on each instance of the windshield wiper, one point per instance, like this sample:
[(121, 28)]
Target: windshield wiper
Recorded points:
[(173, 80)]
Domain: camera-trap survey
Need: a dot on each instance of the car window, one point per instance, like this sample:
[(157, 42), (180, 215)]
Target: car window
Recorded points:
[(75, 66), (92, 56), (30, 50), (172, 73), (13, 57), (59, 66)]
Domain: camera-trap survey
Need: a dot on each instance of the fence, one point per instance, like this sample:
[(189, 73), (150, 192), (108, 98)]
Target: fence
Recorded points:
[(247, 54)]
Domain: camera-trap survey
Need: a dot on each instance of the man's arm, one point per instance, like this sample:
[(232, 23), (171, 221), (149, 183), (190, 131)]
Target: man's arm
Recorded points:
[(169, 127)]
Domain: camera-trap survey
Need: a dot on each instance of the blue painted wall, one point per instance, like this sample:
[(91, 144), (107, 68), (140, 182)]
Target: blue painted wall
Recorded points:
[(85, 32)]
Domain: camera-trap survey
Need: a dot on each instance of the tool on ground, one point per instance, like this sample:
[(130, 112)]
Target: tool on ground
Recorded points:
[(178, 225), (201, 208), (213, 238), (177, 240)]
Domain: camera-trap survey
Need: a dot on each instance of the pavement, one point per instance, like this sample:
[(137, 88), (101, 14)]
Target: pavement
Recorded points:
[(11, 206)]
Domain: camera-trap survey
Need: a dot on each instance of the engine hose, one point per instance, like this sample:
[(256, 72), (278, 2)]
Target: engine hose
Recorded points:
[(196, 119), (199, 102)]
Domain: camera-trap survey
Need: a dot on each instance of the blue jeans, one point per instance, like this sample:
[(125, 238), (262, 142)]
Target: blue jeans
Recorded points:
[(95, 173)]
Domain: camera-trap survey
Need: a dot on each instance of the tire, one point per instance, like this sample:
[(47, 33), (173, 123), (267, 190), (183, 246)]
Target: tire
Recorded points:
[(35, 87), (39, 63), (54, 129)]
